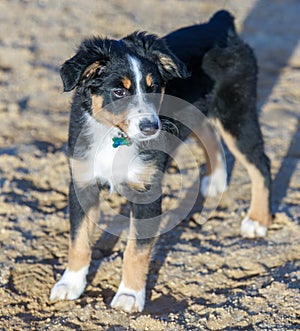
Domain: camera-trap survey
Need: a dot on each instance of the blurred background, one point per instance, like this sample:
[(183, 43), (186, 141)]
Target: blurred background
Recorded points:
[(258, 287)]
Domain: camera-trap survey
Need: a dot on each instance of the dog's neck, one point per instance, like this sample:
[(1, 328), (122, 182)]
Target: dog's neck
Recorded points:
[(111, 165)]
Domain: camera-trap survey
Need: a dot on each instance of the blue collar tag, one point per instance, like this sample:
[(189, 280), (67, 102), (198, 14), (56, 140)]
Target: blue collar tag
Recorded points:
[(120, 141)]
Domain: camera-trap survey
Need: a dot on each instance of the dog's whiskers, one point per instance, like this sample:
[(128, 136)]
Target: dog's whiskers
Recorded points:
[(170, 127)]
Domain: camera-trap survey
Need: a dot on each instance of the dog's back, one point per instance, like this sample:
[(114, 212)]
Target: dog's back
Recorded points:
[(190, 44)]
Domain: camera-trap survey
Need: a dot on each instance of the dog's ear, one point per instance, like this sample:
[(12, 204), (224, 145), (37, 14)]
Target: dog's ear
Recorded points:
[(169, 65), (150, 45), (72, 72), (88, 62)]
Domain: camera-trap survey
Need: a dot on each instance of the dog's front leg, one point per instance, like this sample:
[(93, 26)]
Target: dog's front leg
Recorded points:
[(143, 230), (84, 214)]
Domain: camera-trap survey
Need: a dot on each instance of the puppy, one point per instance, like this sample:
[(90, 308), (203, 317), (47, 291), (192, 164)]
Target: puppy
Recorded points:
[(113, 120)]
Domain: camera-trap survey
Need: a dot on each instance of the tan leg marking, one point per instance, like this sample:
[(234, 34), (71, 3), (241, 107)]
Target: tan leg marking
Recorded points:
[(80, 248), (211, 147), (144, 177), (210, 144), (135, 266), (259, 207)]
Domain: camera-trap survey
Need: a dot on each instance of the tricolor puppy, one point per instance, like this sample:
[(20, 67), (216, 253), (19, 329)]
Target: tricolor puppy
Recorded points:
[(112, 121)]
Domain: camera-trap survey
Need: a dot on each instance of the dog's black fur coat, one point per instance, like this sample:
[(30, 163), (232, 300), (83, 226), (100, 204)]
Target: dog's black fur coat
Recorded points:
[(207, 65), (213, 64)]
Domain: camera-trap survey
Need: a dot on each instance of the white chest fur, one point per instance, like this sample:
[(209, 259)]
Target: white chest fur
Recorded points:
[(102, 161)]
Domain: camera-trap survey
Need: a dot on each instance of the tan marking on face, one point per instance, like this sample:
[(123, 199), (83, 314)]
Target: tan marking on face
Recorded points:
[(135, 266), (80, 248), (97, 103), (106, 117), (126, 82), (259, 207), (149, 80)]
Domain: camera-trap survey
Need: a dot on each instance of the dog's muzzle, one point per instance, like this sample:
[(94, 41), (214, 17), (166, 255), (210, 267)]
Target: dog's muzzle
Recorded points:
[(149, 126)]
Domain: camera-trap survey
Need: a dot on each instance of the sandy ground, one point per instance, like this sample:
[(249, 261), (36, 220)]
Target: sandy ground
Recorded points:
[(203, 277)]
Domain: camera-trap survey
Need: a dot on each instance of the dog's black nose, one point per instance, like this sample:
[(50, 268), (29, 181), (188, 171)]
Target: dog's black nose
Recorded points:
[(149, 127)]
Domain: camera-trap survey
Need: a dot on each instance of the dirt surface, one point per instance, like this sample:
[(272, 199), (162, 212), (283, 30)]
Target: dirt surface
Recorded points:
[(203, 277)]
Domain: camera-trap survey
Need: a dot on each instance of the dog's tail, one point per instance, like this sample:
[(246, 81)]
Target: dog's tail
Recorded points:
[(222, 25), (192, 42)]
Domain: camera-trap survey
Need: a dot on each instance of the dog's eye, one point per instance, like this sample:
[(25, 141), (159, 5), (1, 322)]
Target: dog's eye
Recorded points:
[(120, 92)]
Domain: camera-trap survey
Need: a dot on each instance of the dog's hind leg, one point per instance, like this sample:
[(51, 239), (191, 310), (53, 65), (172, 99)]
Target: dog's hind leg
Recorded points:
[(214, 181), (84, 214), (234, 71), (248, 149)]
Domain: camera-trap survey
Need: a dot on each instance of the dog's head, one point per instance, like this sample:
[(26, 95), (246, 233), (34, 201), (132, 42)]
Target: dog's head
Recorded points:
[(120, 74)]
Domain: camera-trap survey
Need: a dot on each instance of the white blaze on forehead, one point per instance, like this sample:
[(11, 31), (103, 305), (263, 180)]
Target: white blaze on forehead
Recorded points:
[(136, 70), (142, 108)]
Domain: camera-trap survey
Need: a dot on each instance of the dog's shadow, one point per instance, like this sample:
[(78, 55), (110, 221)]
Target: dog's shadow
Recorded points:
[(268, 45)]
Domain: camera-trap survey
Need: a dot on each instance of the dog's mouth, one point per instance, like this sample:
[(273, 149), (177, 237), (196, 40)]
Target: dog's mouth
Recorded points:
[(146, 137), (147, 128)]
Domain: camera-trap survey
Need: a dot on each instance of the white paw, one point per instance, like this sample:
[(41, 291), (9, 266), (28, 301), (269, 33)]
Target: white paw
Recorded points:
[(252, 229), (70, 286), (129, 300), (214, 184)]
